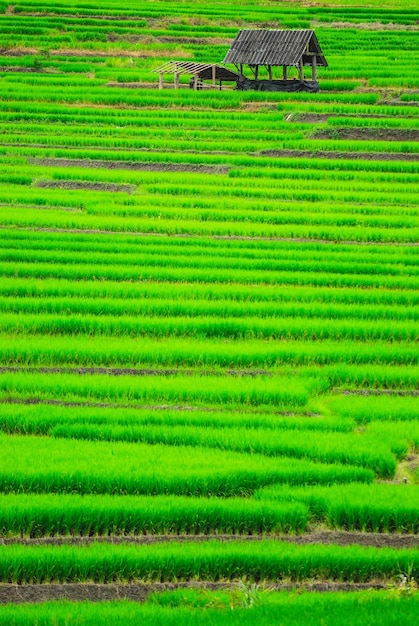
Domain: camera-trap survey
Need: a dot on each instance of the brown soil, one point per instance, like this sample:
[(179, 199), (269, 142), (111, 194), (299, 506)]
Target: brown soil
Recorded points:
[(377, 392), (320, 154), (96, 231), (111, 18), (86, 185), (132, 165), (320, 118), (127, 371), (138, 54), (149, 407), (147, 39), (19, 51), (364, 25), (138, 592), (374, 134), (21, 70), (324, 537)]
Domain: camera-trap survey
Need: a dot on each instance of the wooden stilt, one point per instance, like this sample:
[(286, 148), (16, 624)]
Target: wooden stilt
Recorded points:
[(284, 72), (176, 80), (161, 80), (195, 82), (214, 75), (256, 72), (300, 69), (270, 72), (314, 67)]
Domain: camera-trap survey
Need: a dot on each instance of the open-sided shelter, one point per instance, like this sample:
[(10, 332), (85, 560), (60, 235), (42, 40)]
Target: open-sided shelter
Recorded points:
[(199, 72), (276, 48)]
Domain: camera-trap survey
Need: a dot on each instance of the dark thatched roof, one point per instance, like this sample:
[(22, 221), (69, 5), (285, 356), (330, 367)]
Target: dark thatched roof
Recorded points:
[(275, 47)]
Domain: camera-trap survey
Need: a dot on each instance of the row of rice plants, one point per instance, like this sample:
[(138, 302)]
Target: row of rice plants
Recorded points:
[(40, 418), (191, 254), (264, 560), (63, 219), (141, 325), (184, 607), (99, 247), (327, 447), (20, 110), (376, 508), (365, 410), (85, 271), (140, 469), (199, 389), (212, 143), (153, 307), (391, 189), (105, 350), (113, 290), (49, 515)]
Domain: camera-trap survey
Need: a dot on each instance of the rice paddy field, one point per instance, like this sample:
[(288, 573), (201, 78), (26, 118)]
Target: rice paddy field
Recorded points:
[(208, 320)]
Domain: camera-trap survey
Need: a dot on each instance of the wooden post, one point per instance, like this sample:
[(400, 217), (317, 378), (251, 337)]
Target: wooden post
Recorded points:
[(256, 72), (300, 68), (284, 72), (241, 70), (270, 72), (161, 80), (221, 85), (195, 82), (176, 80), (214, 75), (314, 67)]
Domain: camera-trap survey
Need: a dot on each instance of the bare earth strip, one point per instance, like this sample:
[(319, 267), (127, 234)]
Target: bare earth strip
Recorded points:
[(138, 592), (89, 186), (96, 231), (320, 154), (377, 392), (127, 371), (373, 134), (151, 407), (131, 165), (324, 537)]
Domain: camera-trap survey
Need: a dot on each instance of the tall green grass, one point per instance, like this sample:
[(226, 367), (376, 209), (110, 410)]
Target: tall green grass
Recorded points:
[(376, 508), (185, 606), (90, 515), (212, 560), (127, 468)]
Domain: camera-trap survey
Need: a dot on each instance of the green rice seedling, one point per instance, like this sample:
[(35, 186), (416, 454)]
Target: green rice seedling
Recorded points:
[(124, 468), (211, 560), (54, 514), (367, 508), (364, 410), (108, 351), (41, 418), (260, 390), (184, 607)]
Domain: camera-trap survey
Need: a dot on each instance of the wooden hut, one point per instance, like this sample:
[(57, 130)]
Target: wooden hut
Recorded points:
[(276, 48), (214, 74)]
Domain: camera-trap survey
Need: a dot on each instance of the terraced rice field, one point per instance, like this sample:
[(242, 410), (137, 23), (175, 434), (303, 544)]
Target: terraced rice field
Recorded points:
[(208, 320)]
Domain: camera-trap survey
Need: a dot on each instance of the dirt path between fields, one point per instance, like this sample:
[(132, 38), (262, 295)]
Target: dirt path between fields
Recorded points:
[(97, 231), (324, 537), (132, 165), (138, 592), (85, 185), (323, 154), (130, 371), (367, 134), (376, 392), (154, 407)]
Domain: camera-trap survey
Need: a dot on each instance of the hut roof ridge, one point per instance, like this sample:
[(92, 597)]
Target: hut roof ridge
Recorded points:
[(274, 47)]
